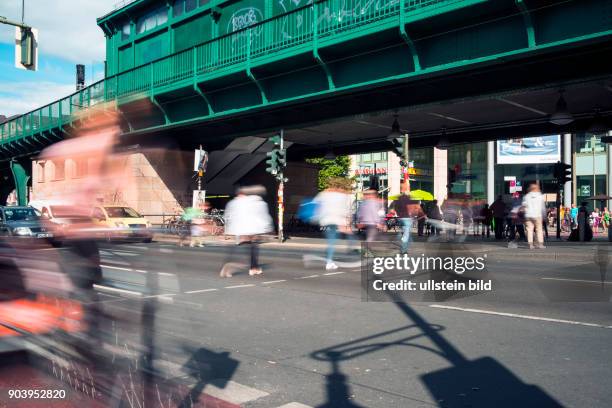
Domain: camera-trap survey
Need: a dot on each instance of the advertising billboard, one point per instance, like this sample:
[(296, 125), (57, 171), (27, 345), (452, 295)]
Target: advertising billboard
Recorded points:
[(540, 149)]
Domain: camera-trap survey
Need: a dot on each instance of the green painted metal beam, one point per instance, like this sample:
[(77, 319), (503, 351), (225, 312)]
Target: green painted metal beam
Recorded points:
[(21, 178), (281, 38)]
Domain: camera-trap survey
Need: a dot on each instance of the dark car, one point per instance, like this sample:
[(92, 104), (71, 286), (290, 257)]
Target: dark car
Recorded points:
[(23, 222)]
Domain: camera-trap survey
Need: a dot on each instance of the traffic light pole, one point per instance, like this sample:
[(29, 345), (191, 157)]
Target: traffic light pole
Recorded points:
[(281, 195), (558, 211), (407, 160)]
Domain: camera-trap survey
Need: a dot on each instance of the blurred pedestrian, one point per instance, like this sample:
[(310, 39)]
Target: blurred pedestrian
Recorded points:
[(406, 209), (421, 219), (533, 203), (368, 214), (247, 217), (605, 219), (435, 215), (486, 217), (334, 216), (451, 211), (498, 209), (467, 217), (574, 216)]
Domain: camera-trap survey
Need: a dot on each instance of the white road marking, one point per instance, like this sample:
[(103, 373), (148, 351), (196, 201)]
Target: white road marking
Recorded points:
[(115, 261), (309, 259), (117, 267), (578, 280), (202, 290), (165, 250), (135, 270), (545, 319), (332, 273), (274, 281), (295, 405), (234, 392), (239, 286), (308, 277), (117, 290)]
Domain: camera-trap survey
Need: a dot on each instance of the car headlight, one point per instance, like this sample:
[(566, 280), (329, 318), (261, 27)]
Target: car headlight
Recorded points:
[(22, 231)]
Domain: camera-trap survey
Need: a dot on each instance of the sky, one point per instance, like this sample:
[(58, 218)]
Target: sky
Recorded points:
[(67, 35)]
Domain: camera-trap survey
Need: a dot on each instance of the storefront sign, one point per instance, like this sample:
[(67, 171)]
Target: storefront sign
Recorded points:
[(585, 190), (367, 171), (541, 149)]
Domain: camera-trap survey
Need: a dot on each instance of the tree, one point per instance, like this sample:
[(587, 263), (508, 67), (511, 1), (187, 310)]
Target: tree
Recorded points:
[(328, 169)]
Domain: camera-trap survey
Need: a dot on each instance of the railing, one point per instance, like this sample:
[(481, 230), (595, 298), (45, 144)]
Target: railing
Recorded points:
[(320, 21)]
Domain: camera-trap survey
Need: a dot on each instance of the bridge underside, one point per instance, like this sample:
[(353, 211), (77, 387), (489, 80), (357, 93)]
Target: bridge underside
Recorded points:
[(493, 102)]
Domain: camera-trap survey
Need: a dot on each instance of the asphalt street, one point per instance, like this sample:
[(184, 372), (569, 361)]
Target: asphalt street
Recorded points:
[(299, 334)]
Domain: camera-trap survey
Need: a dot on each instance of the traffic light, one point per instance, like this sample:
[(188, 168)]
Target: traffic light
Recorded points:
[(26, 48), (272, 162), (562, 172), (277, 158), (398, 148)]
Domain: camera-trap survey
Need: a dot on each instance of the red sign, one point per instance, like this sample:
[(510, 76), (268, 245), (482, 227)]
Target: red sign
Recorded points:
[(370, 171)]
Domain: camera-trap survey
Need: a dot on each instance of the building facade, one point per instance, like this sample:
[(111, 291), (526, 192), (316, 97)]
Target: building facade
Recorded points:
[(485, 170)]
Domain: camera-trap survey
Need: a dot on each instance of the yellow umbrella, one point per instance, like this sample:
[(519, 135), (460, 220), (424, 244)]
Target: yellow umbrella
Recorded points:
[(421, 195)]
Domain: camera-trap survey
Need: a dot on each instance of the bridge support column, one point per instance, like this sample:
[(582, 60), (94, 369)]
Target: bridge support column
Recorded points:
[(567, 158), (21, 178), (609, 192), (490, 172), (440, 174)]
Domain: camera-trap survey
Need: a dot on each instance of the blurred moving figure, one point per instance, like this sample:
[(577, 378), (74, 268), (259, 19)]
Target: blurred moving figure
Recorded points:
[(498, 210), (334, 215), (247, 216), (199, 224), (435, 215), (535, 210), (486, 216), (368, 214), (406, 209), (574, 216)]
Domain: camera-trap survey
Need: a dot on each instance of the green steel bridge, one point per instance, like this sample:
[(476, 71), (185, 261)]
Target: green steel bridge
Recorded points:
[(319, 54)]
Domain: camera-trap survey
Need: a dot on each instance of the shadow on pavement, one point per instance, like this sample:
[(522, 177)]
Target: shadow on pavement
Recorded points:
[(483, 382)]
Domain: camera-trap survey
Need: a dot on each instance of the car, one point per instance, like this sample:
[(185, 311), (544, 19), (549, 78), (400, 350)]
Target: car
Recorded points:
[(63, 218), (124, 222), (23, 222)]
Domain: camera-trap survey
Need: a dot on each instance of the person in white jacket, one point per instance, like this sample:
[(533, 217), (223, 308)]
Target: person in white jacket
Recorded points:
[(246, 217), (533, 205), (335, 216)]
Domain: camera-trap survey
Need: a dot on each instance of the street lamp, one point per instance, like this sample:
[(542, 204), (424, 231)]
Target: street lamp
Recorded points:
[(562, 115), (395, 129)]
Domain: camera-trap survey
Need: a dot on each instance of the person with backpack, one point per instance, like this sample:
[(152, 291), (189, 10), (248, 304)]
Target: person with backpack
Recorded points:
[(334, 216)]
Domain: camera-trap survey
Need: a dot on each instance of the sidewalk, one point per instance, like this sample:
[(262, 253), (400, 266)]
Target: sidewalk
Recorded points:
[(556, 250)]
